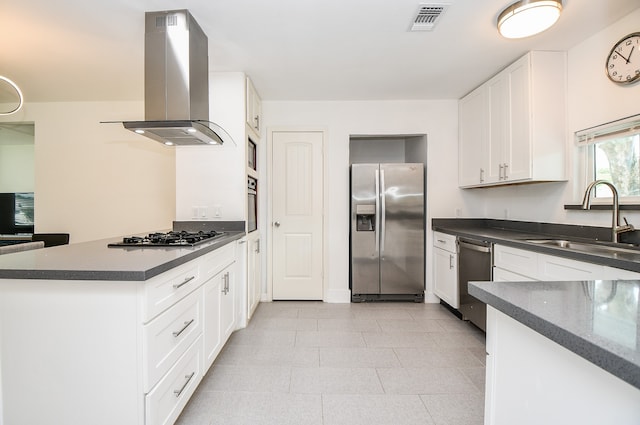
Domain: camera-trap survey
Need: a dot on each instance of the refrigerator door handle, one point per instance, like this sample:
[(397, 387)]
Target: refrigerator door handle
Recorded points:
[(376, 234), (383, 220)]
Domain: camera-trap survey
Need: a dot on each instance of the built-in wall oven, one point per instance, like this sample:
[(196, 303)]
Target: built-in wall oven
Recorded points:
[(252, 204)]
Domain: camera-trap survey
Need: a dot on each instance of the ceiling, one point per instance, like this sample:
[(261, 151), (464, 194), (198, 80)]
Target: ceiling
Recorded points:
[(79, 50)]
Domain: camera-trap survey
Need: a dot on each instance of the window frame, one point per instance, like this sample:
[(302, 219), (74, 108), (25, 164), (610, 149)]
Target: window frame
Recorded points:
[(586, 141)]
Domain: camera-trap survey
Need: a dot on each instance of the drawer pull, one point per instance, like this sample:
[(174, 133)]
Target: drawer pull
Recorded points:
[(187, 280), (186, 325), (442, 241), (188, 378)]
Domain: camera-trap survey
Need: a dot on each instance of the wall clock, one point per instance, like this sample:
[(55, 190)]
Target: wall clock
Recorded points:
[(623, 62)]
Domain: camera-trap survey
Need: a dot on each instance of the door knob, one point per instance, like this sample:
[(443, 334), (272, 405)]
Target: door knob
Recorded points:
[(276, 223)]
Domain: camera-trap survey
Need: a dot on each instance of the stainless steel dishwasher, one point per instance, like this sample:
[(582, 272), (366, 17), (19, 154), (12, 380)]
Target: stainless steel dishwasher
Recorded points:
[(475, 263)]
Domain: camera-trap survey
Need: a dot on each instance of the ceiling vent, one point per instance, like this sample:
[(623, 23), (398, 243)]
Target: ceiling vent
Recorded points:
[(428, 16)]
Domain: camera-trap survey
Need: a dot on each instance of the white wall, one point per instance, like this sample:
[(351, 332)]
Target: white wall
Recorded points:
[(17, 172), (214, 177), (592, 100), (97, 180), (437, 119)]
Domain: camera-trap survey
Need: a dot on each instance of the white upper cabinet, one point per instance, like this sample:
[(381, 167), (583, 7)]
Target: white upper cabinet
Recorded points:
[(253, 108), (512, 128), (473, 137)]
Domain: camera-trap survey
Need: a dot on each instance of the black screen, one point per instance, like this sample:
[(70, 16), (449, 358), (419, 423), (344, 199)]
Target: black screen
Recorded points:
[(16, 213), (7, 213)]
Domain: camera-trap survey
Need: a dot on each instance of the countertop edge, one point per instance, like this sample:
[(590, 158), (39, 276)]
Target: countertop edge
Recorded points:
[(519, 242), (589, 350), (115, 275)]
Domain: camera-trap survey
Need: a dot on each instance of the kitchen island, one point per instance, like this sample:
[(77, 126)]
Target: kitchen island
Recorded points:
[(99, 335), (562, 352)]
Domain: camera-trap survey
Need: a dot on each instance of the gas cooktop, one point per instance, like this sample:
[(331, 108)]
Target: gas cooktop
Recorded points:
[(177, 239)]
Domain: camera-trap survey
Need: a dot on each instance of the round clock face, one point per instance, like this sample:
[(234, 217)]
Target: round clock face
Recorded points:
[(623, 62)]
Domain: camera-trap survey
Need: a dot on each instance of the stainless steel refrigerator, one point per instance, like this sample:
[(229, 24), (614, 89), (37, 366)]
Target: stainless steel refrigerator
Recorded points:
[(387, 232)]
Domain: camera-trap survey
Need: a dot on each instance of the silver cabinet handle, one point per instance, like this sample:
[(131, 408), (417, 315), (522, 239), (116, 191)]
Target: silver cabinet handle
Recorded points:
[(187, 280), (257, 120), (450, 261), (276, 223), (188, 378), (441, 241), (257, 245), (186, 325), (482, 175), (225, 283), (500, 172), (505, 170)]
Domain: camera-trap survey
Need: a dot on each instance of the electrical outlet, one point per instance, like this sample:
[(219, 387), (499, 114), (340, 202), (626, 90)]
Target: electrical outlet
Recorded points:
[(458, 212), (217, 211)]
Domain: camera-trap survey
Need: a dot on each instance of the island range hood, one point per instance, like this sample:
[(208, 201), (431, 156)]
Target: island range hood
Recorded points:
[(176, 83)]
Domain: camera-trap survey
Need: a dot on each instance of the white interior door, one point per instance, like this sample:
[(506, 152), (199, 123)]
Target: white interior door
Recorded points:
[(297, 208)]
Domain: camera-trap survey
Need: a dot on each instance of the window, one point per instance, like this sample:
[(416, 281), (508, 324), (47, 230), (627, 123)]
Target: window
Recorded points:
[(612, 153)]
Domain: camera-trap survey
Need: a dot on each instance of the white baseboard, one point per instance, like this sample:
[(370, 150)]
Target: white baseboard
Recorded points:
[(337, 296), (430, 298)]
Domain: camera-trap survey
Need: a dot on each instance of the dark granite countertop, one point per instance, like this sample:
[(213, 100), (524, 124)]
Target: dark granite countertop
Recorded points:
[(597, 320), (95, 261), (516, 234)]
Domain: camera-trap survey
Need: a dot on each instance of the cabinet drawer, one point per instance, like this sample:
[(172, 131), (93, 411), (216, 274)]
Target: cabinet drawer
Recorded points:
[(217, 260), (501, 275), (516, 260), (557, 268), (161, 292), (444, 241), (168, 336), (168, 398)]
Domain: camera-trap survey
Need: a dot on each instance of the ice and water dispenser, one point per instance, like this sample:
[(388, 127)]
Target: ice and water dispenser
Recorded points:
[(365, 218)]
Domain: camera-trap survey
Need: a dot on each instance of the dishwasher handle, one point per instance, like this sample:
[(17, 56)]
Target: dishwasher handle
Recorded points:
[(473, 247)]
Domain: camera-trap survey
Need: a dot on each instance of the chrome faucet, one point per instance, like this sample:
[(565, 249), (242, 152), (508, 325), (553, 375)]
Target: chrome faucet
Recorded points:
[(616, 228)]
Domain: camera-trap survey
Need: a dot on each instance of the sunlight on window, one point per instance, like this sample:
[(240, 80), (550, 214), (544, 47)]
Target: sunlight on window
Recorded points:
[(616, 160)]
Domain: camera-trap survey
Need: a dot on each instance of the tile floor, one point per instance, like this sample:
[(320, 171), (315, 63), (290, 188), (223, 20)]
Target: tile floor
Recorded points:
[(311, 363)]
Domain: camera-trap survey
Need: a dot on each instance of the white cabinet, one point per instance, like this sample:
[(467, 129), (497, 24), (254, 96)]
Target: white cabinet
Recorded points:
[(619, 274), (502, 275), (519, 261), (253, 108), (520, 113), (166, 338), (532, 380), (473, 136), (142, 345), (254, 266), (227, 303), (514, 264), (558, 268), (445, 268), (219, 303), (212, 296)]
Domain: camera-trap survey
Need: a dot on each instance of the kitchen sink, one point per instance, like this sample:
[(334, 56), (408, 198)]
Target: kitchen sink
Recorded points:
[(588, 248)]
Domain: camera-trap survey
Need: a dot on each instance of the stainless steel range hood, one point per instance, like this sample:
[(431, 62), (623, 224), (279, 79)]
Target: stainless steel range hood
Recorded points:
[(176, 82)]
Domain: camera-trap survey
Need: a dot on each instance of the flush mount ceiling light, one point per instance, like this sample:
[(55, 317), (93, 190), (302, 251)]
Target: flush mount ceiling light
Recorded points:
[(528, 17)]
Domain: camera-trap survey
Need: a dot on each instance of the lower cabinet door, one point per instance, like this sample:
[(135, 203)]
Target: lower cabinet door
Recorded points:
[(228, 304), (445, 275), (167, 399), (211, 323)]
